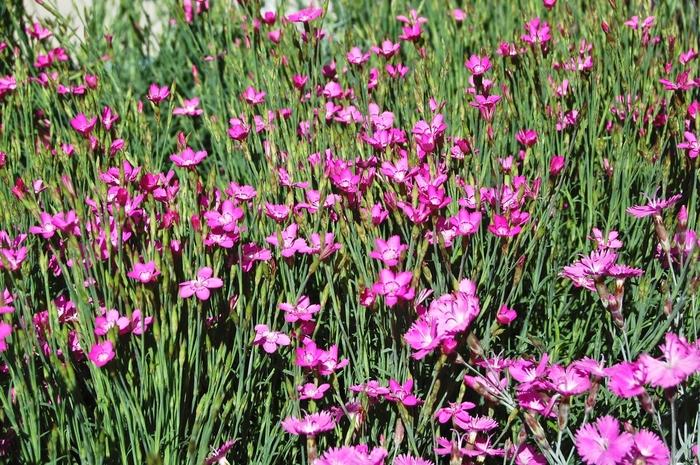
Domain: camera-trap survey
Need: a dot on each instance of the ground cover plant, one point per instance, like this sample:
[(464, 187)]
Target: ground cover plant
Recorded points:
[(354, 232)]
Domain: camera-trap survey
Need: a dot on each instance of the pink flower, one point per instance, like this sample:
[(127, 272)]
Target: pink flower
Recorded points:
[(157, 94), (691, 145), (306, 15), (269, 340), (310, 425), (681, 360), (505, 315), (290, 243), (200, 286), (225, 218), (478, 65), (602, 442), (6, 300), (649, 449), (356, 57), (556, 165), (570, 381), (537, 32), (189, 108), (528, 455), (188, 158), (388, 251), (501, 227), (402, 393), (82, 124), (466, 223), (352, 455), (404, 459), (526, 137), (302, 311), (5, 331), (394, 286), (250, 253), (654, 207), (111, 319), (218, 456), (312, 391), (144, 272), (238, 129), (101, 353), (627, 379), (252, 96), (387, 49)]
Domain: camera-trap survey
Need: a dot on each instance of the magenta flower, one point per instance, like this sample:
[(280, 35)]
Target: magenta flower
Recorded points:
[(253, 96), (82, 124), (505, 315), (478, 65), (6, 300), (269, 340), (691, 145), (570, 381), (394, 286), (188, 158), (501, 227), (201, 286), (312, 391), (5, 331), (405, 459), (46, 228), (402, 393), (680, 361), (526, 137), (356, 57), (387, 49), (310, 425), (388, 251), (238, 129), (537, 32), (144, 272), (189, 108), (290, 244), (627, 379), (157, 94), (486, 105), (423, 337), (356, 455), (654, 207), (225, 218), (101, 353), (250, 253), (649, 449), (109, 320), (328, 361), (466, 223), (302, 311), (528, 455), (218, 456), (306, 15), (602, 442)]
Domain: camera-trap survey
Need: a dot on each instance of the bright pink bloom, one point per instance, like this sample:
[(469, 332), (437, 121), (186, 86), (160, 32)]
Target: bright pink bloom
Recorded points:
[(101, 353), (218, 456), (188, 158), (144, 272), (394, 286), (388, 251), (387, 49), (602, 442), (404, 459), (189, 108), (157, 94), (290, 243), (402, 393), (556, 165), (201, 286), (82, 124), (302, 311), (537, 32), (691, 145), (654, 207), (649, 449), (478, 65), (252, 96), (680, 361), (352, 455), (526, 137), (466, 223), (310, 425), (109, 320), (269, 340), (627, 379), (528, 455), (312, 391), (306, 15), (5, 331), (506, 315), (225, 218)]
